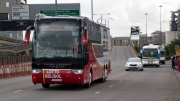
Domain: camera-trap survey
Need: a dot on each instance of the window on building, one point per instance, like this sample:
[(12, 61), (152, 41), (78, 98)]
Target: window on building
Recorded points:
[(7, 4)]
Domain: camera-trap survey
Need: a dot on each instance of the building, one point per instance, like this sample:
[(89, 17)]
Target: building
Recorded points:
[(156, 38), (143, 39), (121, 41), (5, 6), (178, 23)]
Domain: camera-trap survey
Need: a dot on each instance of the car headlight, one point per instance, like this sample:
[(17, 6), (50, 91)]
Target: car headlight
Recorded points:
[(77, 71), (36, 70), (127, 64)]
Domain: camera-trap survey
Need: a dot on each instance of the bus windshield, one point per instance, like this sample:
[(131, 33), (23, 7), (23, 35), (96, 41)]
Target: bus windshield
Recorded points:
[(56, 38), (162, 53), (150, 52)]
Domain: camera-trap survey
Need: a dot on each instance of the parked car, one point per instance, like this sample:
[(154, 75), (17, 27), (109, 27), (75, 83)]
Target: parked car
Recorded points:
[(134, 63)]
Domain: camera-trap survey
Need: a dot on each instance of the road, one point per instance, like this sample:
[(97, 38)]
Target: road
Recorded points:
[(152, 84)]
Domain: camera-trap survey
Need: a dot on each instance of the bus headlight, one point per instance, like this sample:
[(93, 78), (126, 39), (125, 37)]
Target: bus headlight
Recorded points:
[(157, 62), (77, 71), (36, 70)]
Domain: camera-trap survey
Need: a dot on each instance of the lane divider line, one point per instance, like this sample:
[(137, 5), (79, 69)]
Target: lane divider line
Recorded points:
[(17, 91), (111, 86), (97, 92)]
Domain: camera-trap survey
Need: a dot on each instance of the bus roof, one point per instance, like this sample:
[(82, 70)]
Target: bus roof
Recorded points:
[(42, 16)]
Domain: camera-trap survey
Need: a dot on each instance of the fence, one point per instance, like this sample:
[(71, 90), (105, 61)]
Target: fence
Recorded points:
[(12, 66)]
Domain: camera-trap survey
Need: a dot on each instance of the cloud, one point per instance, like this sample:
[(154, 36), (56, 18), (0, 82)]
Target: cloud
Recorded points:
[(127, 13)]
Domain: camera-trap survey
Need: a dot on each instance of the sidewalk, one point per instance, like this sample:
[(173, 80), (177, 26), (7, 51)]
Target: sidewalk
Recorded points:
[(177, 74)]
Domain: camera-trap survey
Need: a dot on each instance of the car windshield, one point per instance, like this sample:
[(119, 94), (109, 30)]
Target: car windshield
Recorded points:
[(134, 60)]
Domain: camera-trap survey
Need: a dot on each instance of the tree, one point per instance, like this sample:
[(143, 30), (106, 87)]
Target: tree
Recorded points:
[(170, 48)]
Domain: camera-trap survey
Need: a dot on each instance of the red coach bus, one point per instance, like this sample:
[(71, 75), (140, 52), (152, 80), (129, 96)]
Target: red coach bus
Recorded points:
[(69, 50)]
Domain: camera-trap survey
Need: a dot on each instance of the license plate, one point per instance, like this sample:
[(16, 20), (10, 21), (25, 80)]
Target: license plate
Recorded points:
[(57, 80)]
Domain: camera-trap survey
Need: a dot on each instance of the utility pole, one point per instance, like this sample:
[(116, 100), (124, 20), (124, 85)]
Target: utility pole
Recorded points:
[(146, 29), (56, 7), (160, 36), (92, 9)]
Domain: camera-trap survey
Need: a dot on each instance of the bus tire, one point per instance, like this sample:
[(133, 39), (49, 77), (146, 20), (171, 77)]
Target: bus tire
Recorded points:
[(89, 83), (103, 79), (45, 85)]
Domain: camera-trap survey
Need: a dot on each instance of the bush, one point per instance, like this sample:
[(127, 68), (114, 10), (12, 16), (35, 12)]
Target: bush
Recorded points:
[(168, 57)]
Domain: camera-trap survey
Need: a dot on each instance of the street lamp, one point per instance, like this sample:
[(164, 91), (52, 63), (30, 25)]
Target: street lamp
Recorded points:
[(56, 7), (160, 38), (108, 20), (101, 15), (146, 29), (92, 9)]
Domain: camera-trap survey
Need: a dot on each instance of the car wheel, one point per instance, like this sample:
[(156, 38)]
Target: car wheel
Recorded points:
[(127, 69), (141, 69)]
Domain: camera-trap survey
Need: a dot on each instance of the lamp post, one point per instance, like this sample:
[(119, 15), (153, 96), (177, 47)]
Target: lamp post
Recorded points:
[(101, 15), (56, 7), (108, 20), (92, 9), (160, 36), (146, 29)]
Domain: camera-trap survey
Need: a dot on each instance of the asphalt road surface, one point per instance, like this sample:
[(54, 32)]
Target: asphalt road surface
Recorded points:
[(152, 84)]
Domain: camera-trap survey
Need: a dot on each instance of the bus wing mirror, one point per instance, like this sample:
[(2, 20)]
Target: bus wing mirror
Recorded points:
[(85, 36), (28, 34)]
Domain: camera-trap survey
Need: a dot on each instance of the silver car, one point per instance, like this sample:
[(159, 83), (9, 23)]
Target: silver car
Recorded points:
[(134, 63)]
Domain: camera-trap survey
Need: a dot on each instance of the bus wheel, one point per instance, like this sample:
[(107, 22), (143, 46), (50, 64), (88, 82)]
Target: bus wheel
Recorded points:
[(106, 74), (101, 80), (90, 80), (45, 85)]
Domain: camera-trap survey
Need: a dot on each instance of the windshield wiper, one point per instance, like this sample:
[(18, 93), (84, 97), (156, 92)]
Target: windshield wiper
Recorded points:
[(41, 60)]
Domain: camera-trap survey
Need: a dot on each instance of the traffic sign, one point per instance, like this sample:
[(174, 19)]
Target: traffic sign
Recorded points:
[(60, 12), (176, 47), (20, 12)]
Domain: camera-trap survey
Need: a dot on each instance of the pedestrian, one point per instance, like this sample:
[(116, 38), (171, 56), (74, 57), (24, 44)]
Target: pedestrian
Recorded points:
[(178, 61), (173, 60)]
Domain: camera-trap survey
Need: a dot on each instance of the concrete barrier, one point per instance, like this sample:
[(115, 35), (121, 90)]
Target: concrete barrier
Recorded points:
[(15, 70)]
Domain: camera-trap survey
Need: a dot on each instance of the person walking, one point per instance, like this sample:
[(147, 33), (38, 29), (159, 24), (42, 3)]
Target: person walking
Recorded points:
[(178, 61), (173, 60)]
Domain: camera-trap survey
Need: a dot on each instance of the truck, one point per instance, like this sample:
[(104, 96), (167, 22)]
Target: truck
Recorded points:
[(69, 50), (150, 55)]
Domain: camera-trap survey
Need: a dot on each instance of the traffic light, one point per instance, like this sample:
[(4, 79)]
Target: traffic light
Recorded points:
[(173, 22), (173, 25)]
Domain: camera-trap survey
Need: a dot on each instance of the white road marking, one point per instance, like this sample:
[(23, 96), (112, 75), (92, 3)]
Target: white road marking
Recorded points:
[(17, 91), (119, 81), (111, 86), (133, 51), (97, 92)]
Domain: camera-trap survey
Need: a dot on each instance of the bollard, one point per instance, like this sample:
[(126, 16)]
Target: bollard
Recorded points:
[(1, 71)]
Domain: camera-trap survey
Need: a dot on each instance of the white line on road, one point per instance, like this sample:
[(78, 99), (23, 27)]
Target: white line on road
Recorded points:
[(97, 92), (119, 81), (111, 86), (17, 91)]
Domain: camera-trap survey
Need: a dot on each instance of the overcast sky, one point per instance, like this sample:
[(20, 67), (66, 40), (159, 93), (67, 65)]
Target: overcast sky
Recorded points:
[(126, 13)]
